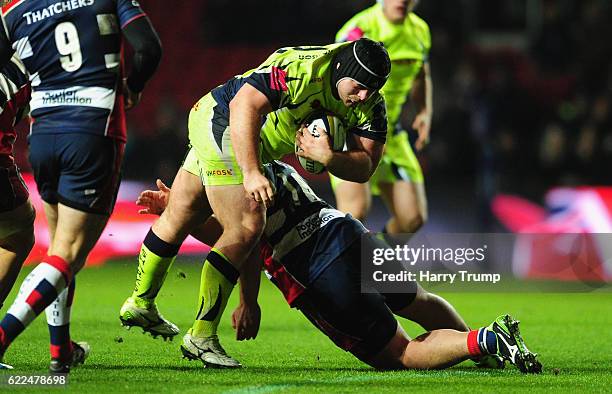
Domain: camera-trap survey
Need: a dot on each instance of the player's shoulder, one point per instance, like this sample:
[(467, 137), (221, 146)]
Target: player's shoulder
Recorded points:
[(302, 64), (419, 23), (364, 20), (369, 15), (370, 116), (304, 55)]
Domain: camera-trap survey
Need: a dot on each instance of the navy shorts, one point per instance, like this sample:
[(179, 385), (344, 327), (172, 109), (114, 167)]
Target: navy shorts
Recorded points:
[(82, 171), (361, 323), (13, 191)]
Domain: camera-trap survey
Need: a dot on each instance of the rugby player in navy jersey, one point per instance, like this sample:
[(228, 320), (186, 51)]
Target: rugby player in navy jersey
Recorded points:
[(16, 212), (312, 254), (73, 53)]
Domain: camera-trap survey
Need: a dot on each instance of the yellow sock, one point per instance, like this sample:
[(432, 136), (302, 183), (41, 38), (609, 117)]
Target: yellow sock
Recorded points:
[(154, 261), (216, 284)]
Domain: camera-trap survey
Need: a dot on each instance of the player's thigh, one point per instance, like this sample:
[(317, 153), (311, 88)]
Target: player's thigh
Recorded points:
[(77, 233), (355, 321), (43, 159), (235, 211), (82, 171), (187, 207), (351, 197), (220, 174), (209, 137), (192, 198)]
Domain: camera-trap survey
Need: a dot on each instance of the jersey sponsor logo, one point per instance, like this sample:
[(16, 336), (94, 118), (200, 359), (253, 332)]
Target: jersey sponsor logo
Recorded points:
[(308, 57), (74, 96), (314, 222), (54, 9), (224, 172)]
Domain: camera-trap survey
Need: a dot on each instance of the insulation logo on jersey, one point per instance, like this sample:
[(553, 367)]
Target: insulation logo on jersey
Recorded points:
[(314, 222), (65, 97)]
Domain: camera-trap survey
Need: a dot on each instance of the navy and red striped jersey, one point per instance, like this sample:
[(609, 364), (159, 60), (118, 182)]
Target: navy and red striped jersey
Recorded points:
[(304, 234), (14, 98), (73, 52)]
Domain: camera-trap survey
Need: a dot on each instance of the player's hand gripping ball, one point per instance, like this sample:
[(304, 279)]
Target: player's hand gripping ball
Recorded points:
[(323, 124)]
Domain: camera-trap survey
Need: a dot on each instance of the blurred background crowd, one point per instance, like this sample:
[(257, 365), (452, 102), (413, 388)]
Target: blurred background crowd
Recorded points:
[(522, 90)]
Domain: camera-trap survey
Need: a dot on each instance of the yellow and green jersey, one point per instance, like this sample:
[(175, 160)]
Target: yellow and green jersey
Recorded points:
[(298, 82), (408, 45)]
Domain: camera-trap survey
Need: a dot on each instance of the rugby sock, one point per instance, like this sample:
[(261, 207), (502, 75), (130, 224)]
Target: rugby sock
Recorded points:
[(216, 284), (39, 289), (481, 341), (58, 320), (154, 261)]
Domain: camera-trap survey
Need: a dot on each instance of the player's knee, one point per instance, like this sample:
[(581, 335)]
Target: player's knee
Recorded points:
[(393, 355), (174, 225), (251, 234), (189, 202), (247, 234), (68, 246), (411, 222), (172, 221)]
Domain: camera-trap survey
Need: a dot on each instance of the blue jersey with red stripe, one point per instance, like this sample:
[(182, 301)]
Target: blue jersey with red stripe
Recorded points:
[(72, 50), (304, 234)]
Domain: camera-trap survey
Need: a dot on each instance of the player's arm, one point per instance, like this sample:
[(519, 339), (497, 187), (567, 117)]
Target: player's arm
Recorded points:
[(355, 165), (422, 97), (147, 54), (359, 162), (247, 108), (6, 49), (247, 315)]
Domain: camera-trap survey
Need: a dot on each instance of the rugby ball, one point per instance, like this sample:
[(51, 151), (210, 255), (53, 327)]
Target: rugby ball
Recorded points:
[(331, 125)]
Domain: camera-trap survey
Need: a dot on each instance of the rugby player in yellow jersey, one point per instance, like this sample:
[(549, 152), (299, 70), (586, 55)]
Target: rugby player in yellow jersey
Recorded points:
[(252, 119), (398, 179)]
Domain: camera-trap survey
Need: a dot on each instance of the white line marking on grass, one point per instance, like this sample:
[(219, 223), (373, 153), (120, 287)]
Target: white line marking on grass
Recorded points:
[(281, 386), (393, 375), (260, 389)]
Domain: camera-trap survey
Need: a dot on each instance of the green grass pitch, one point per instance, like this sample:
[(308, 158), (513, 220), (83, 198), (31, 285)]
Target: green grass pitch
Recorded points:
[(571, 332)]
